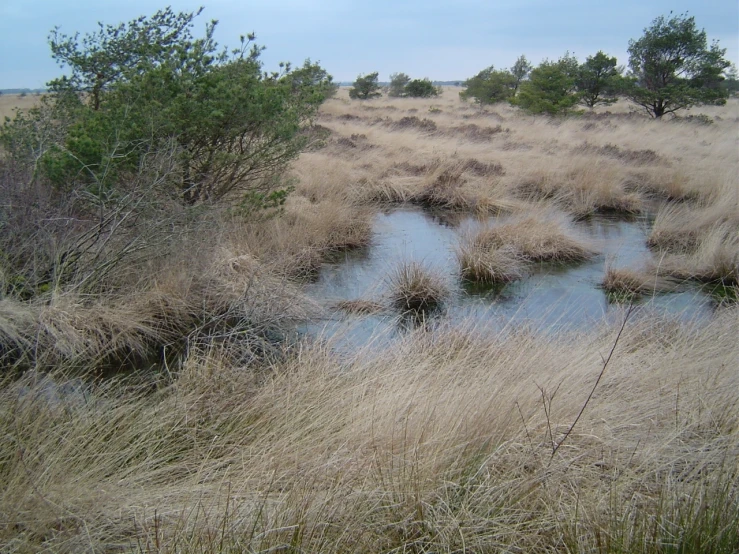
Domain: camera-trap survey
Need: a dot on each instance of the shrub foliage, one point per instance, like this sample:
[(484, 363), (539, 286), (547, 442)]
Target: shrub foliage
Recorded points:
[(673, 67), (150, 121), (366, 87)]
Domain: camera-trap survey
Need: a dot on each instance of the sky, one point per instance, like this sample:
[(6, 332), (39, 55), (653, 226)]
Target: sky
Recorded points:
[(442, 40)]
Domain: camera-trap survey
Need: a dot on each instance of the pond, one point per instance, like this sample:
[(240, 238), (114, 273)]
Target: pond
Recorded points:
[(552, 296)]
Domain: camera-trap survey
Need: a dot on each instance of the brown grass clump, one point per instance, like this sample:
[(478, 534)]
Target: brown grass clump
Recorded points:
[(233, 295), (543, 236), (700, 242), (714, 259), (499, 254), (584, 188), (630, 282), (484, 264), (296, 244), (415, 287), (679, 228)]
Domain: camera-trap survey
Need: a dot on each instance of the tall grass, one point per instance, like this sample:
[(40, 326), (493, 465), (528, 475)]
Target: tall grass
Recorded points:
[(442, 443), (626, 282)]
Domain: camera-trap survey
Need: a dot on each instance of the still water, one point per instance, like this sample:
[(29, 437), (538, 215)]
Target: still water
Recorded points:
[(552, 296)]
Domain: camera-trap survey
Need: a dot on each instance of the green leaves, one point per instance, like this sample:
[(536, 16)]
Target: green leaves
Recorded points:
[(490, 86), (150, 82), (398, 81), (421, 88), (551, 87), (598, 80), (673, 68), (366, 87)]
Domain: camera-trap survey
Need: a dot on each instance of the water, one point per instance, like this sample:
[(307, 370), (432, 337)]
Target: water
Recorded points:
[(552, 296)]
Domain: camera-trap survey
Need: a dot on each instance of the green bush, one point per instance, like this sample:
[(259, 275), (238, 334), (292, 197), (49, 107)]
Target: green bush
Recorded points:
[(150, 124), (421, 88), (398, 81), (366, 87), (149, 84), (551, 88), (673, 68), (490, 86)]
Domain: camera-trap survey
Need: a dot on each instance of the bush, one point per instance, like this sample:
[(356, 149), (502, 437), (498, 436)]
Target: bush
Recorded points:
[(421, 88), (490, 86), (551, 88), (398, 81), (149, 123), (366, 87)]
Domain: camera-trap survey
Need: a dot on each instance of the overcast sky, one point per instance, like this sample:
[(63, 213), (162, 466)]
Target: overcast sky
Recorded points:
[(442, 40)]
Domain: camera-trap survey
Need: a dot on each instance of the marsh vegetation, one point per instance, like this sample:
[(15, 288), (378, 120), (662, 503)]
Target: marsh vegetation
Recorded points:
[(228, 432)]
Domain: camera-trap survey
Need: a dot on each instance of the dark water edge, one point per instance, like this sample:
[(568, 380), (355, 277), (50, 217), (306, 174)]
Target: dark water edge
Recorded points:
[(552, 297)]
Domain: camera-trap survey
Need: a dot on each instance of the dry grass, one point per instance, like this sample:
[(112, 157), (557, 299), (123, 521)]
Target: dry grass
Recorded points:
[(480, 262), (540, 235), (415, 287), (11, 102), (714, 259), (359, 306), (500, 253), (626, 282), (442, 443)]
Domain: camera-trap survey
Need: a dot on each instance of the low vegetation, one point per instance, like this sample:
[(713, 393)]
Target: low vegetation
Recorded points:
[(156, 396), (484, 263), (625, 283), (443, 442), (415, 288)]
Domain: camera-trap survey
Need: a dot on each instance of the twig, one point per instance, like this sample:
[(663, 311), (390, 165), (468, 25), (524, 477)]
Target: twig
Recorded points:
[(531, 443), (602, 371)]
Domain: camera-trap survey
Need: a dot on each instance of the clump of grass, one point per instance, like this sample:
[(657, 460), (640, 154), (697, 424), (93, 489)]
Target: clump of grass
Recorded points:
[(681, 229), (489, 265), (630, 283), (582, 187), (415, 287), (542, 236), (675, 228), (499, 254), (715, 259)]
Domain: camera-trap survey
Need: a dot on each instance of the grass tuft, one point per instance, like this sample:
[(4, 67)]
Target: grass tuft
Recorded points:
[(415, 287), (489, 265), (627, 283)]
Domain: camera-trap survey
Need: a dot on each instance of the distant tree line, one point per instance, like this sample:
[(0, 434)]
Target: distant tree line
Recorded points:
[(671, 67), (401, 85)]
